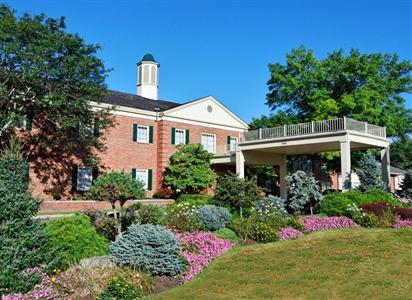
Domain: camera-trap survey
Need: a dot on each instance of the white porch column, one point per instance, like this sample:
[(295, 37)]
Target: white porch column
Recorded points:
[(386, 171), (282, 174), (240, 164), (345, 165)]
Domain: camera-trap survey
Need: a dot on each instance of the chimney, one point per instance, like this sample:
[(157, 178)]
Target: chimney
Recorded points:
[(148, 77)]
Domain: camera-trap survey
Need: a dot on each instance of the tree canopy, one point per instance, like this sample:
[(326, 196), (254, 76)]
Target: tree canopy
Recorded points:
[(189, 169), (367, 87), (47, 79)]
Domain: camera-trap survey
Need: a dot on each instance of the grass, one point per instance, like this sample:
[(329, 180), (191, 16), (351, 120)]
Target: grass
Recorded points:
[(341, 264)]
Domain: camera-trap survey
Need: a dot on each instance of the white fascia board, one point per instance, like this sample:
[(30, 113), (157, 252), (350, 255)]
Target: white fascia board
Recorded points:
[(125, 111), (203, 124), (244, 125)]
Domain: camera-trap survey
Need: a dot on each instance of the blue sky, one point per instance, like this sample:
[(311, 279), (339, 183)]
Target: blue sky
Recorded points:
[(223, 47)]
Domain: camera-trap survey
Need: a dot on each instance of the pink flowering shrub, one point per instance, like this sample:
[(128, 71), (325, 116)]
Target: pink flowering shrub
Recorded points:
[(45, 290), (399, 223), (199, 249), (315, 223), (289, 233)]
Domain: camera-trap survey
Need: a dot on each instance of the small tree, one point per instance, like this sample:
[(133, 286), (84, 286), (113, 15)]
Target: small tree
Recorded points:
[(369, 173), (236, 193), (406, 186), (189, 169), (22, 242), (116, 187), (303, 191)]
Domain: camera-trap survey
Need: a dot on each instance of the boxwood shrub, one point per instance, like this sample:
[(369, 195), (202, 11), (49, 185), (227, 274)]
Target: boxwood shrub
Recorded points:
[(213, 217), (74, 238), (149, 248)]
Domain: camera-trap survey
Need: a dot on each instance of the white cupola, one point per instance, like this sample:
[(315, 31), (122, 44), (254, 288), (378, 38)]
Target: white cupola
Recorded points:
[(148, 77)]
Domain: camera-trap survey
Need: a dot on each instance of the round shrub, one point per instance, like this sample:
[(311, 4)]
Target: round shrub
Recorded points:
[(148, 247), (294, 222), (263, 232), (227, 234), (213, 217), (335, 204), (74, 238)]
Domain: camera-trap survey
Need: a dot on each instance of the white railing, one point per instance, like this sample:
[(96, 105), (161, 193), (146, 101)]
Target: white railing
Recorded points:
[(315, 127)]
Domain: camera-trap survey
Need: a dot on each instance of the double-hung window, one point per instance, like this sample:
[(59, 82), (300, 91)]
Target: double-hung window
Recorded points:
[(232, 143), (209, 142), (142, 134), (84, 179), (180, 136), (142, 176)]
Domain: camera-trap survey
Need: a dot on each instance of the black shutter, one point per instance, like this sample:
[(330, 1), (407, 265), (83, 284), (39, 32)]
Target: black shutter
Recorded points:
[(149, 179), (96, 128), (75, 169), (151, 134), (29, 123), (187, 136), (134, 132), (228, 139), (173, 135), (134, 173), (95, 172)]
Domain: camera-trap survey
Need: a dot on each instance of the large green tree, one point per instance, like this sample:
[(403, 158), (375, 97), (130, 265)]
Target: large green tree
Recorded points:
[(47, 79), (367, 87), (189, 169), (401, 153)]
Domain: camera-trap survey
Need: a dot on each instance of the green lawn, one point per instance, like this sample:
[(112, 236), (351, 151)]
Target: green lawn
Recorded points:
[(343, 264)]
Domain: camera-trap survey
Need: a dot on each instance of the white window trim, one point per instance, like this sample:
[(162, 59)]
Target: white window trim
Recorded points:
[(147, 176), (184, 136), (210, 134), (148, 133)]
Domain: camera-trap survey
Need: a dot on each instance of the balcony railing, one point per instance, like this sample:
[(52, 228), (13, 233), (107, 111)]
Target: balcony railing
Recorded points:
[(315, 127), (225, 149)]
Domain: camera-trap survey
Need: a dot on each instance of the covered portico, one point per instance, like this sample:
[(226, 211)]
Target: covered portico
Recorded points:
[(271, 146)]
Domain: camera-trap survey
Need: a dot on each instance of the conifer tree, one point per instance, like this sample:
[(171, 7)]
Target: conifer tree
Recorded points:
[(369, 173)]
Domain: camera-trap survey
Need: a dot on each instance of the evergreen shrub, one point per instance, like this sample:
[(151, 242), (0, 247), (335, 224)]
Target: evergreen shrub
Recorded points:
[(150, 248), (213, 217), (74, 238)]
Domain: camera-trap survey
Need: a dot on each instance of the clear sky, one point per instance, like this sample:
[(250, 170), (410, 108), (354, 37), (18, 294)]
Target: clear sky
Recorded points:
[(223, 47)]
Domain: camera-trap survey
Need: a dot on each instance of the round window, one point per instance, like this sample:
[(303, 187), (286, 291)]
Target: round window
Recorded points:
[(209, 108)]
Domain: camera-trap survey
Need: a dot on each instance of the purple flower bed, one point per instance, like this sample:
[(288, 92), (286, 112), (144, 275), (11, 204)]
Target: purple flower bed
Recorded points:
[(199, 249), (44, 290), (289, 233), (399, 223), (315, 223)]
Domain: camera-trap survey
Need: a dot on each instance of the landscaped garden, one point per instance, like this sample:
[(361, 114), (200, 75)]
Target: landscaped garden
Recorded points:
[(258, 246)]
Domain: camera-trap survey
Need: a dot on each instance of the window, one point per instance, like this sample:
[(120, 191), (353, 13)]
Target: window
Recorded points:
[(232, 143), (142, 176), (153, 75), (146, 74), (84, 179), (179, 136), (142, 134), (208, 142)]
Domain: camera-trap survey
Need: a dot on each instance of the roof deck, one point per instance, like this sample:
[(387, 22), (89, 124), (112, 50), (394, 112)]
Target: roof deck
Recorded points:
[(315, 128)]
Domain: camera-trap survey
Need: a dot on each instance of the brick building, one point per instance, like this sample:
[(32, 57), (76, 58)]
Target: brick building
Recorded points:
[(147, 131)]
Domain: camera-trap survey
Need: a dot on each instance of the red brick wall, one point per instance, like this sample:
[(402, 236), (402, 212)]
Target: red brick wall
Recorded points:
[(122, 153)]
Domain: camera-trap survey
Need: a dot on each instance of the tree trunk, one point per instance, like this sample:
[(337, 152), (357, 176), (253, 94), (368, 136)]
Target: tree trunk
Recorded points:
[(311, 210), (119, 224)]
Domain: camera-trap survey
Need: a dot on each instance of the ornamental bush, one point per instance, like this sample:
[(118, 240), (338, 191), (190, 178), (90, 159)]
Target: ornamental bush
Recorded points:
[(74, 238), (270, 204), (195, 199), (107, 227), (213, 217), (151, 214), (227, 234), (122, 289), (289, 233), (304, 193), (263, 232), (148, 247), (182, 217), (369, 173), (316, 223)]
